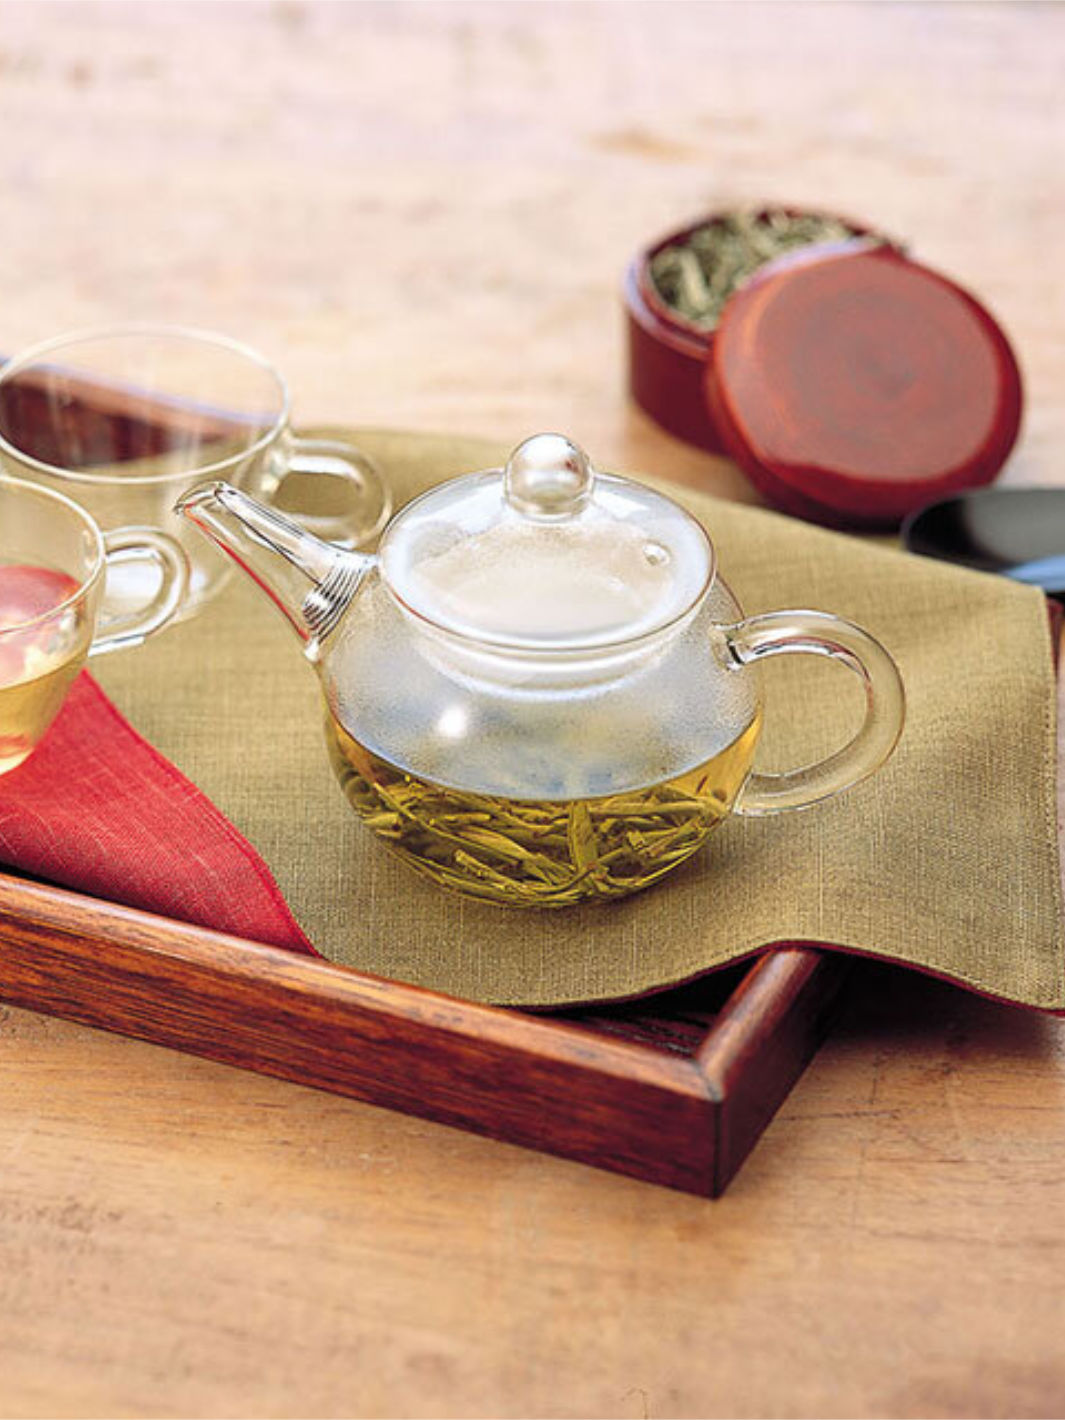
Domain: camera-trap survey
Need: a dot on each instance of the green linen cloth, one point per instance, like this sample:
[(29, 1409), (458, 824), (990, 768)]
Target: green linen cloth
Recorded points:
[(947, 859)]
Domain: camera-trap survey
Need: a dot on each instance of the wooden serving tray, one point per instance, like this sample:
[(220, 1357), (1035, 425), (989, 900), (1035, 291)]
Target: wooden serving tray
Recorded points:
[(675, 1089)]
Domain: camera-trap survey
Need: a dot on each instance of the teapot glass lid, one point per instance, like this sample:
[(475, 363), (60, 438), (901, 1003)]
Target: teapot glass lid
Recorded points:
[(546, 554)]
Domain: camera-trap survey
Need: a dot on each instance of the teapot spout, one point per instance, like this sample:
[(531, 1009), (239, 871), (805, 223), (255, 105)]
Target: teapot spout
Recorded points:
[(312, 582)]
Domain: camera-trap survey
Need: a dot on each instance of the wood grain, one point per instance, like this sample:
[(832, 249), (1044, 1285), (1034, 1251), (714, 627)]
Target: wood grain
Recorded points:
[(422, 213), (588, 1087)]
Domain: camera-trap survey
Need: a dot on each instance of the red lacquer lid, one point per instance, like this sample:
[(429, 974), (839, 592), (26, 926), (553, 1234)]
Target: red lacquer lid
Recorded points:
[(667, 354), (854, 385)]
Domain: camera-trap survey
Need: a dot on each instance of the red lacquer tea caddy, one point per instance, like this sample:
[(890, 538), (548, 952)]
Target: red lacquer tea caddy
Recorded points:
[(851, 383)]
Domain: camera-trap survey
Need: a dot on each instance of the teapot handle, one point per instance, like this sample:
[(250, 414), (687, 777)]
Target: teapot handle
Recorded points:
[(820, 634)]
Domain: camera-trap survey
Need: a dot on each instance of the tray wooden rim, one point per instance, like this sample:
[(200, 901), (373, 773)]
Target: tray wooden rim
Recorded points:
[(685, 1121)]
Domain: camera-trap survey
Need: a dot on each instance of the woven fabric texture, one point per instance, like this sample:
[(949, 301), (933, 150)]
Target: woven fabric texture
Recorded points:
[(99, 809), (946, 860)]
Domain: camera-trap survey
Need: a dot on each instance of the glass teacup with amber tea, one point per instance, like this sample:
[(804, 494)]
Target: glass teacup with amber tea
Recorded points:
[(53, 612), (539, 691)]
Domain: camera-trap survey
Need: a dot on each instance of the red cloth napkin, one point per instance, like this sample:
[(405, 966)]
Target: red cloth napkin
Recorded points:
[(98, 809)]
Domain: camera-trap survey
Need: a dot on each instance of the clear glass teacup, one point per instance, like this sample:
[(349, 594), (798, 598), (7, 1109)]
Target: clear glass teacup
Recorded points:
[(125, 418), (53, 612)]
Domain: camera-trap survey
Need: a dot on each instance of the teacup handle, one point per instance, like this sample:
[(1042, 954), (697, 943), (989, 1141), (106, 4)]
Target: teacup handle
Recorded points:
[(362, 503), (820, 634), (170, 557)]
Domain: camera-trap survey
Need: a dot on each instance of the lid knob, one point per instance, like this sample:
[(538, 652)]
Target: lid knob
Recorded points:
[(548, 477)]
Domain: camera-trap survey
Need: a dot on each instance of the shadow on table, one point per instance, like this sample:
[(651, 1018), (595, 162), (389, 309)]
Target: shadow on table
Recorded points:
[(894, 1005)]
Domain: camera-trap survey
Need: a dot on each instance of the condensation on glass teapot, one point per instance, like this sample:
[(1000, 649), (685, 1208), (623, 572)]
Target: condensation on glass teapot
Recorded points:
[(566, 560), (542, 632)]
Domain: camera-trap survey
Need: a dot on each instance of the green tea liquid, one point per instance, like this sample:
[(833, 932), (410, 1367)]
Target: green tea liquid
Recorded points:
[(540, 853)]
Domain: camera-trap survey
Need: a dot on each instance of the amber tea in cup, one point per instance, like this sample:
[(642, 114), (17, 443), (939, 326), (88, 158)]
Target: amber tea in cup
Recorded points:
[(41, 651), (53, 561)]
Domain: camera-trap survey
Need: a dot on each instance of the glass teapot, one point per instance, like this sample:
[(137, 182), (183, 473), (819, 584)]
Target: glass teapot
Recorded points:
[(539, 691)]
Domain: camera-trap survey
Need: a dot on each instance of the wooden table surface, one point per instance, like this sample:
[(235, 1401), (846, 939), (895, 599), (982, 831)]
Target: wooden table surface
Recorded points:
[(422, 213)]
